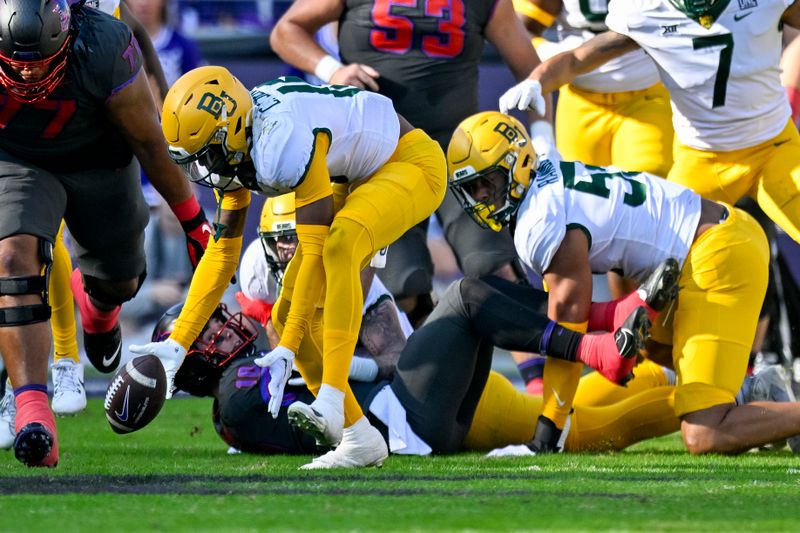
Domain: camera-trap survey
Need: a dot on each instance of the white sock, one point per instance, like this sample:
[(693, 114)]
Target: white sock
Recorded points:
[(332, 396), (359, 425)]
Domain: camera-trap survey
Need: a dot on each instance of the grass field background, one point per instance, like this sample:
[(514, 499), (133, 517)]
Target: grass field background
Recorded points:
[(175, 476)]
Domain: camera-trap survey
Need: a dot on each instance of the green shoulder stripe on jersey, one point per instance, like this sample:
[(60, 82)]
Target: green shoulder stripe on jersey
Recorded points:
[(315, 131), (333, 90), (584, 229), (293, 84), (704, 12)]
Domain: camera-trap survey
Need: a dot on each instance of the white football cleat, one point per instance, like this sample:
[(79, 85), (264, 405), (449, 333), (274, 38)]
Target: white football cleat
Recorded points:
[(8, 415), (69, 394), (319, 419), (362, 445)]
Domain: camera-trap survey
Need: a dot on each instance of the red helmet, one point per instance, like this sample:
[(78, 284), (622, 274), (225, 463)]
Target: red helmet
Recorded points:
[(207, 358), (34, 34)]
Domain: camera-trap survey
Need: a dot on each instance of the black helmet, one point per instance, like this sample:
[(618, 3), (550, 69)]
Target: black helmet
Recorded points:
[(33, 34), (206, 360)]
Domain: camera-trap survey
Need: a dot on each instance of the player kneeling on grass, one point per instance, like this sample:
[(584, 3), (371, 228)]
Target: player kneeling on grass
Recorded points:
[(574, 219)]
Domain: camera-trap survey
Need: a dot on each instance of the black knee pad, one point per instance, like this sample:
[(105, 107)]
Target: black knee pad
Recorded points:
[(22, 315), (94, 288)]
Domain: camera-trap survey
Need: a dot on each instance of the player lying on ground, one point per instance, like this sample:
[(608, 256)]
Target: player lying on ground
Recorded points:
[(574, 219), (443, 397)]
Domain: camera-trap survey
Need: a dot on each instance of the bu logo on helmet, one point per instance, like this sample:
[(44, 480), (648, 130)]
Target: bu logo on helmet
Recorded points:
[(507, 130), (212, 104)]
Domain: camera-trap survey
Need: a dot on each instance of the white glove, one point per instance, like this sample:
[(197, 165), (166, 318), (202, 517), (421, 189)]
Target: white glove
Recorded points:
[(512, 450), (527, 94), (279, 362), (169, 352)]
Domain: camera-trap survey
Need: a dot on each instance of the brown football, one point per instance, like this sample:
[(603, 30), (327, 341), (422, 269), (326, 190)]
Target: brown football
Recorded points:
[(136, 394)]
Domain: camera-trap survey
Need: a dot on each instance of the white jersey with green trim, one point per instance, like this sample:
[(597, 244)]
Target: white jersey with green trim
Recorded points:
[(633, 220), (724, 81), (288, 113), (581, 20)]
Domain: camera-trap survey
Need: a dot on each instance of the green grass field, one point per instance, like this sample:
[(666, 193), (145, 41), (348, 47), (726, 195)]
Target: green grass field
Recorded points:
[(175, 476)]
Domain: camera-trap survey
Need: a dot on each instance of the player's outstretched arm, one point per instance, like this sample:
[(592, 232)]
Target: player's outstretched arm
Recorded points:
[(133, 111), (293, 40), (565, 67)]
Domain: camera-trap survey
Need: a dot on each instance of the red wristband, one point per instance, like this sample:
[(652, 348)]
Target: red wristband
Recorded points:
[(187, 209)]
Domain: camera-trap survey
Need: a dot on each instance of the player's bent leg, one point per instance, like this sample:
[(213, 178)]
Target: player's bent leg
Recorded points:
[(25, 344), (778, 187), (584, 126), (69, 394), (647, 124), (362, 445), (99, 302), (647, 414), (730, 429), (504, 416), (594, 390)]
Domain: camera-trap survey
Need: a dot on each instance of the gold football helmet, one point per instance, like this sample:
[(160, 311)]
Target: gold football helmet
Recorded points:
[(486, 145), (278, 233), (206, 119)]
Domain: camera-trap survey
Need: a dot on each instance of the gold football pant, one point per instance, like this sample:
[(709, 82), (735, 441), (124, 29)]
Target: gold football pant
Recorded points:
[(62, 320), (375, 213), (768, 172), (721, 288), (506, 416), (631, 130)]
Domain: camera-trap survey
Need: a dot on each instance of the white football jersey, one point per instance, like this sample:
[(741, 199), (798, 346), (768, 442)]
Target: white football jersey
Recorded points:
[(288, 113), (633, 220), (724, 81), (255, 278), (580, 21)]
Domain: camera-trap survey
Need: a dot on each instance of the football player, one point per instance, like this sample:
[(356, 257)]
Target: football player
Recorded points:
[(720, 62), (76, 111), (442, 397), (426, 60), (617, 115), (287, 135), (69, 394), (574, 219), (383, 328)]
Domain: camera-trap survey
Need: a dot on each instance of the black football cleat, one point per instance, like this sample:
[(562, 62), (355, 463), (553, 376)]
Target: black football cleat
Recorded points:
[(104, 350), (661, 287), (33, 445), (631, 338), (545, 438)]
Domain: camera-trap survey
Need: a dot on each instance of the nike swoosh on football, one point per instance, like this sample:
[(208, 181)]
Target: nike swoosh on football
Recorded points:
[(559, 401), (108, 361), (738, 17), (123, 416)]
